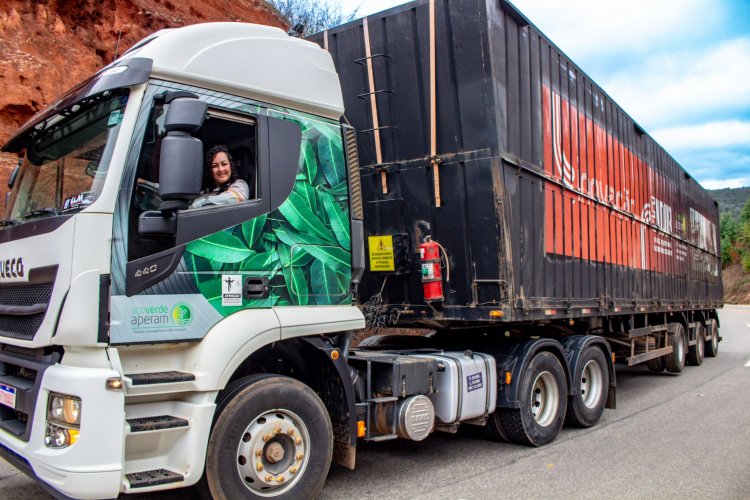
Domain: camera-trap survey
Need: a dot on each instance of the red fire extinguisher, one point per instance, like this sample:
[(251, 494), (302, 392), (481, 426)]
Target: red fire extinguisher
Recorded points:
[(432, 277)]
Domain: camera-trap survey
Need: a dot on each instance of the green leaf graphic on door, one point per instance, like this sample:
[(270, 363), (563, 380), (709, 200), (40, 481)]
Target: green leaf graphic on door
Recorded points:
[(303, 248)]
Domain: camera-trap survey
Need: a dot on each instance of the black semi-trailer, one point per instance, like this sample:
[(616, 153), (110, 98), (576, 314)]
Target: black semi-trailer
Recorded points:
[(514, 208), (549, 201)]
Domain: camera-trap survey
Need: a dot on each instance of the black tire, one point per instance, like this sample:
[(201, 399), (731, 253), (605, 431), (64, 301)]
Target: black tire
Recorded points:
[(656, 365), (675, 361), (494, 428), (592, 383), (286, 422), (712, 345), (542, 413), (697, 351)]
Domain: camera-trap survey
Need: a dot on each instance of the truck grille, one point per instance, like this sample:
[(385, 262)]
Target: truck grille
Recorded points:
[(24, 305), (22, 369)]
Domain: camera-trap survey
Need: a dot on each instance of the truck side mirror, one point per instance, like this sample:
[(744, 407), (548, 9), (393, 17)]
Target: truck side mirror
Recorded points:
[(181, 164)]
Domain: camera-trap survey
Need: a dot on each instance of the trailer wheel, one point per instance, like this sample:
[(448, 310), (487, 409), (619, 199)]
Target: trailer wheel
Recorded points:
[(592, 381), (696, 352), (543, 392), (656, 365), (712, 346), (272, 438), (675, 361)]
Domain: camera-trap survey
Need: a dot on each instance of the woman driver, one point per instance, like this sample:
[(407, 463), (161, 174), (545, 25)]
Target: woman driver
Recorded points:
[(221, 185)]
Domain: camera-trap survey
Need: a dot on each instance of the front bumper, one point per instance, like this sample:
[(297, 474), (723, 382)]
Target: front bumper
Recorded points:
[(90, 468)]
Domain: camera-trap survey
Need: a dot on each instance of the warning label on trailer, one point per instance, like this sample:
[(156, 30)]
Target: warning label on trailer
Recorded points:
[(381, 253)]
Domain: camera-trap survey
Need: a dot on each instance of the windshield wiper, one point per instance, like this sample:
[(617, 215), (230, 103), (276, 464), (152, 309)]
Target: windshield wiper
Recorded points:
[(40, 211), (8, 222)]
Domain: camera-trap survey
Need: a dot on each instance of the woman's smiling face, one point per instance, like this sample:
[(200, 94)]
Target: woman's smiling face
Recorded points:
[(221, 169)]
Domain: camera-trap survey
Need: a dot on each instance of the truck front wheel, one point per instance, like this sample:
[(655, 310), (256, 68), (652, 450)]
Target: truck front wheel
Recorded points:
[(592, 377), (541, 414), (272, 438)]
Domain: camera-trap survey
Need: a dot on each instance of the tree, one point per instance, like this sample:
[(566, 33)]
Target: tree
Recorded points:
[(743, 236), (313, 15)]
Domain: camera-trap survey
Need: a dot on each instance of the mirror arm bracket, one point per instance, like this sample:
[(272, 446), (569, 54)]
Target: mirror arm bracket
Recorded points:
[(158, 222)]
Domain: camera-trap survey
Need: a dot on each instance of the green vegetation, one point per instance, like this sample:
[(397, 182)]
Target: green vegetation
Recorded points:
[(735, 236), (731, 200), (312, 16)]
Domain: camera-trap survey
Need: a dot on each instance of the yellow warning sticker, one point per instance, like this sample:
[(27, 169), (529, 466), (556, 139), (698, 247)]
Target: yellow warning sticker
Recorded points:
[(381, 253)]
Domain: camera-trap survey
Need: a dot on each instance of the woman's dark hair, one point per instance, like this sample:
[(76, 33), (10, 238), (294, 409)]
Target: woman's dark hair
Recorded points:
[(208, 180)]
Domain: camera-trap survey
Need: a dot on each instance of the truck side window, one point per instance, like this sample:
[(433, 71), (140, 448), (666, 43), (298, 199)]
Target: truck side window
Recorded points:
[(236, 131)]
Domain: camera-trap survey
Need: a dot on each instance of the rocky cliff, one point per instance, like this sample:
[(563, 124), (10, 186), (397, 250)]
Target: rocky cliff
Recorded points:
[(47, 46)]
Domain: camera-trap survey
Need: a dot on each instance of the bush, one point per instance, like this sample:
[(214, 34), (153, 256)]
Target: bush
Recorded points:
[(314, 15)]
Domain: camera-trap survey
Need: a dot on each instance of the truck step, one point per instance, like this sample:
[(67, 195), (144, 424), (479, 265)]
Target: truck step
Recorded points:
[(384, 399), (157, 423), (383, 437), (160, 378), (153, 478)]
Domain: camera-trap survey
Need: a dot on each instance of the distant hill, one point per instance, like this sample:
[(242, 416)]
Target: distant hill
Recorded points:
[(731, 199)]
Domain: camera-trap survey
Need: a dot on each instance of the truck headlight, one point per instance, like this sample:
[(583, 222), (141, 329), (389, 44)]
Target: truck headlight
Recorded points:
[(63, 420), (59, 437), (65, 410)]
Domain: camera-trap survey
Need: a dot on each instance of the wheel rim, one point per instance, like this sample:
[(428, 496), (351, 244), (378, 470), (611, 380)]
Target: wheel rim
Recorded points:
[(679, 346), (273, 452), (545, 399), (591, 384), (700, 344)]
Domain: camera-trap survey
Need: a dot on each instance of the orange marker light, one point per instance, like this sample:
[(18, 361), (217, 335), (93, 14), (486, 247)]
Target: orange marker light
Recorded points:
[(360, 429), (496, 314), (613, 357), (508, 378), (334, 355)]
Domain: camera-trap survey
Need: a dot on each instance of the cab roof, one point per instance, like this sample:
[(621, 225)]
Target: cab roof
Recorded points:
[(251, 60)]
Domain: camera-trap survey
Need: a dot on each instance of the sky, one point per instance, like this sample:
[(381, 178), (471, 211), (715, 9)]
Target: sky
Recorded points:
[(679, 68)]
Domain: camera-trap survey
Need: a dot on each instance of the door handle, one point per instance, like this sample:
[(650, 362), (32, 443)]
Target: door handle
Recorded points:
[(256, 288)]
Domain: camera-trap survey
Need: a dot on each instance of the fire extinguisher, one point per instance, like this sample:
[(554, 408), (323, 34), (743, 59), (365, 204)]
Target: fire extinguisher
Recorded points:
[(432, 277)]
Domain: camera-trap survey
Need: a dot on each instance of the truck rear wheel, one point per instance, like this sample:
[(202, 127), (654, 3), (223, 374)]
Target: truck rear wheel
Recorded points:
[(272, 438), (656, 365), (592, 381), (494, 427), (543, 392), (696, 352), (675, 361), (712, 346)]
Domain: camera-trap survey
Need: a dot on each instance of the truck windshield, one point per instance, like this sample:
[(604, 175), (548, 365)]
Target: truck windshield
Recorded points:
[(67, 161)]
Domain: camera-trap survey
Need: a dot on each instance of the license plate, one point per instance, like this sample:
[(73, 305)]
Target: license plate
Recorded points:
[(8, 395)]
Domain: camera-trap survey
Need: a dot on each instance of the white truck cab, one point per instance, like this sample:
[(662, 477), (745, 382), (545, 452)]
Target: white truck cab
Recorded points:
[(123, 311)]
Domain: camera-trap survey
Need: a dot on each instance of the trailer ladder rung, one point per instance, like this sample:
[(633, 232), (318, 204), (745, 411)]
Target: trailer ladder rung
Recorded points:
[(157, 423), (153, 478), (160, 378)]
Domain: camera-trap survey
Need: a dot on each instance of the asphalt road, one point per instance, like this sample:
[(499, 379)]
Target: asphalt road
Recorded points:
[(685, 436)]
